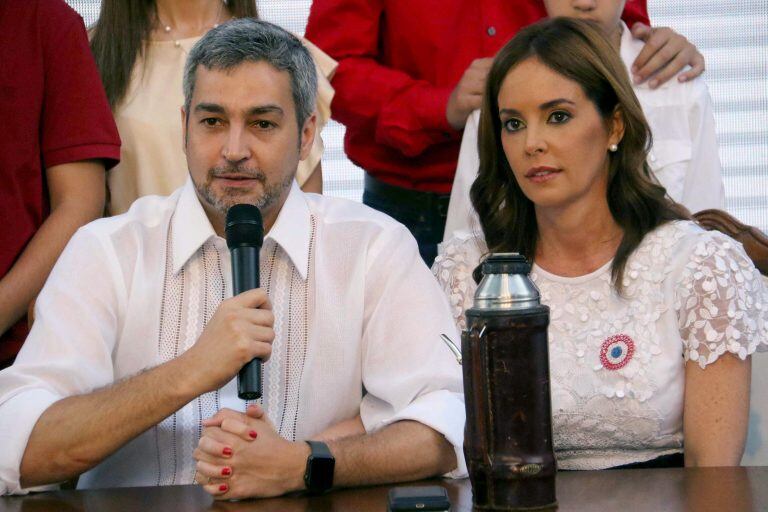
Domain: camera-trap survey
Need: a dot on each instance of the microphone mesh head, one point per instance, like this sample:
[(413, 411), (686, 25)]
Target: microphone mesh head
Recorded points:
[(244, 227)]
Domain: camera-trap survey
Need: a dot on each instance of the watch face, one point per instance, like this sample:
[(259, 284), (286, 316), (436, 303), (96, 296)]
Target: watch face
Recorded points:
[(321, 473)]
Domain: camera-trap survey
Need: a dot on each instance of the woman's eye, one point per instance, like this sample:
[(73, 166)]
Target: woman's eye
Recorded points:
[(513, 125), (559, 117)]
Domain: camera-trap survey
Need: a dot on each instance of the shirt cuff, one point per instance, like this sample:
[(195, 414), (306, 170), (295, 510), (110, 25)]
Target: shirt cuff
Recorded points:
[(444, 412), (431, 112), (108, 153), (18, 416), (415, 120)]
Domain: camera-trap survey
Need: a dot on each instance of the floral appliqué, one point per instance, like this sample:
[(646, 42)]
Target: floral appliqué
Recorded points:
[(722, 302)]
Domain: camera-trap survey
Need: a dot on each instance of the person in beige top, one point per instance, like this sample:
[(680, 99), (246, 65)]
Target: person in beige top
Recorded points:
[(141, 58)]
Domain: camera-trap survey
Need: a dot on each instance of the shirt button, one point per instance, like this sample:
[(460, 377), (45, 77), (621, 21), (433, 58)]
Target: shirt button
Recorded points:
[(491, 31), (653, 157)]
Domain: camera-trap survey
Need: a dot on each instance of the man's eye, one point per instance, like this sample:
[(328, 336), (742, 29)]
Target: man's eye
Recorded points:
[(211, 121), (513, 125), (264, 125), (559, 117)]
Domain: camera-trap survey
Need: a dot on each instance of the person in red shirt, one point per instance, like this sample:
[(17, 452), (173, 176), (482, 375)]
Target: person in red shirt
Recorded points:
[(409, 75), (58, 138)]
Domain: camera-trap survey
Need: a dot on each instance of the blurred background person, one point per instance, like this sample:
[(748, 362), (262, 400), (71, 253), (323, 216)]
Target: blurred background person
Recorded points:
[(410, 73), (140, 48), (58, 138), (684, 156), (653, 319)]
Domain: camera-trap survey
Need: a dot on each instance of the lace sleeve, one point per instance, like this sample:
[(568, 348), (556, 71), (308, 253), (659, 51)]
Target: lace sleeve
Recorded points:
[(722, 302), (453, 270)]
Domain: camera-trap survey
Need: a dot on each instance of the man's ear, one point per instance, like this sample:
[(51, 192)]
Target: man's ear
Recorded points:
[(616, 126), (184, 125), (308, 133)]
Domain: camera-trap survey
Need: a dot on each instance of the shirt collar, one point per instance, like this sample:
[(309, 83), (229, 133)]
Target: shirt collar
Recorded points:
[(629, 50), (291, 230), (190, 226)]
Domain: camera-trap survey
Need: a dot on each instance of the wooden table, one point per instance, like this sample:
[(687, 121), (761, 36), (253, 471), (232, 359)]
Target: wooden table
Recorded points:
[(639, 490)]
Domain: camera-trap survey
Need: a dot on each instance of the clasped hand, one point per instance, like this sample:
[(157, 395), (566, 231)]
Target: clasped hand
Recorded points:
[(242, 456)]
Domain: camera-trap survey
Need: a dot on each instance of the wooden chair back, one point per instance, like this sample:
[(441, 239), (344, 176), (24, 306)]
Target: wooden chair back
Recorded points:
[(755, 242)]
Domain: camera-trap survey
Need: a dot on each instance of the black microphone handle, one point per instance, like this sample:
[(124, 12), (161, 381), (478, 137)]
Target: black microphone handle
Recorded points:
[(245, 276)]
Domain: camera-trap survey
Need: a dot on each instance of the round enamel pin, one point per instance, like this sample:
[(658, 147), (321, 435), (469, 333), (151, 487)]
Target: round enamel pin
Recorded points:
[(616, 352)]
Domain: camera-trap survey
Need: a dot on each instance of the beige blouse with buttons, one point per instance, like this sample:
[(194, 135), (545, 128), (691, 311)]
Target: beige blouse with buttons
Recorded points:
[(152, 160)]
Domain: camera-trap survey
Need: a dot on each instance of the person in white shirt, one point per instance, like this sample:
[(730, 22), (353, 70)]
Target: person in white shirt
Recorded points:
[(652, 319), (136, 343), (684, 154)]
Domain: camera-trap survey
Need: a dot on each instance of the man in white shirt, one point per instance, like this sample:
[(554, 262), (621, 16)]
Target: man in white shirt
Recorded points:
[(135, 343)]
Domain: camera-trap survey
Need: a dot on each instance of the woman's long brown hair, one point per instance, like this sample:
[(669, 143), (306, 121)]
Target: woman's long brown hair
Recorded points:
[(120, 36), (579, 51)]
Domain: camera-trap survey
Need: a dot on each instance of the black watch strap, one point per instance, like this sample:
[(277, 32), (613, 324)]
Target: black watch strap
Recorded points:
[(319, 449), (318, 476)]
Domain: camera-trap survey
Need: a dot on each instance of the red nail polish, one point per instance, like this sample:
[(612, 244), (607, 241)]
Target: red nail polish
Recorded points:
[(226, 471), (223, 488), (253, 434), (227, 451)]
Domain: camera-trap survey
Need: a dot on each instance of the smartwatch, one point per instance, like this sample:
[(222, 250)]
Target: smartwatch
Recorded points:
[(318, 476)]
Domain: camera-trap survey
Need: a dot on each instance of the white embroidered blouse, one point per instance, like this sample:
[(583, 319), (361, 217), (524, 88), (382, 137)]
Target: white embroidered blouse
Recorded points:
[(617, 364)]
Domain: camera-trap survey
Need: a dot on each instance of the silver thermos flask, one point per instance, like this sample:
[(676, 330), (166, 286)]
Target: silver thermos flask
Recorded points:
[(508, 434)]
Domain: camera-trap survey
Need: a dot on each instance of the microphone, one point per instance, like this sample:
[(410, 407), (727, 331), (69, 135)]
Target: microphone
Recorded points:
[(245, 234)]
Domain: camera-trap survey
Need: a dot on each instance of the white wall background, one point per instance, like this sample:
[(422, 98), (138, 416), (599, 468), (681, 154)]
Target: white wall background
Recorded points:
[(733, 36), (734, 39)]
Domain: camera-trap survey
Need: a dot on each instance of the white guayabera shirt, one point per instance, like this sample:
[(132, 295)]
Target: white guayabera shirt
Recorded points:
[(684, 157), (617, 364), (358, 319)]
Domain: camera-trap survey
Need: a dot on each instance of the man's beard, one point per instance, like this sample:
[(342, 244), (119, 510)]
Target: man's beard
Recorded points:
[(234, 195)]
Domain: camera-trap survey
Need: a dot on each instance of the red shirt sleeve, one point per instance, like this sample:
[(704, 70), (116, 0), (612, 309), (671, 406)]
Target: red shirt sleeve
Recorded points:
[(634, 11), (394, 106), (76, 122), (405, 113)]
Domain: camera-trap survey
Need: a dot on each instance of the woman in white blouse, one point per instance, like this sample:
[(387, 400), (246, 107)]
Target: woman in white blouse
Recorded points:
[(140, 48), (653, 320), (684, 156)]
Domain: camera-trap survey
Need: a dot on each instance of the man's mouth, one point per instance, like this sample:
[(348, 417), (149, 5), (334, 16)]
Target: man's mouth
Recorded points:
[(236, 177)]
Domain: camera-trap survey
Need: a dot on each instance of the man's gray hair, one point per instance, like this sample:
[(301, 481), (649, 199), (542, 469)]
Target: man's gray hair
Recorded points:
[(249, 40)]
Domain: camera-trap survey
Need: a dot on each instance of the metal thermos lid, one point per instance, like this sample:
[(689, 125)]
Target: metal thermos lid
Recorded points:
[(505, 284), (506, 263)]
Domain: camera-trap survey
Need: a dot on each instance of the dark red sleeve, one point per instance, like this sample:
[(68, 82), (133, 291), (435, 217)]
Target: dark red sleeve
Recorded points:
[(634, 11), (406, 114), (76, 122)]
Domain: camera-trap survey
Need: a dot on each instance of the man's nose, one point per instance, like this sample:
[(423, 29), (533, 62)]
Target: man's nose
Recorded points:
[(236, 146), (584, 5)]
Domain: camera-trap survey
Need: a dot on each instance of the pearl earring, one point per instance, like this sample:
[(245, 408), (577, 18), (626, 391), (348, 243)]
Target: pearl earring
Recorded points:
[(613, 148)]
